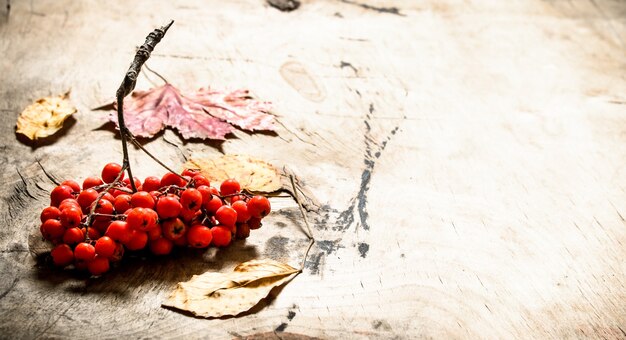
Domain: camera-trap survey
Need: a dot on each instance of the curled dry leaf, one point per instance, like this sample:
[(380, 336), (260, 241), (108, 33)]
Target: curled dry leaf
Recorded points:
[(229, 294), (253, 174), (45, 116), (206, 113)]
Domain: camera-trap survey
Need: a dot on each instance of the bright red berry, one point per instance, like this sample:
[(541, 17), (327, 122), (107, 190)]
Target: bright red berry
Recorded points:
[(109, 197), (170, 179), (155, 232), (242, 211), (60, 193), (72, 184), (190, 172), (213, 204), (119, 231), (230, 186), (62, 255), (200, 180), (98, 266), (199, 236), (52, 230), (191, 199), (174, 229), (110, 172), (259, 206), (141, 219), (69, 202), (105, 246), (168, 207), (86, 198), (226, 215), (126, 182), (84, 252), (122, 203), (50, 213), (70, 217), (91, 182), (221, 236), (142, 199), (138, 240), (73, 236), (151, 183), (161, 246)]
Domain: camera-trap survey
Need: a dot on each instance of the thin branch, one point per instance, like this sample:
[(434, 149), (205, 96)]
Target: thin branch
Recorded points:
[(309, 234), (127, 86), (155, 73), (136, 142)]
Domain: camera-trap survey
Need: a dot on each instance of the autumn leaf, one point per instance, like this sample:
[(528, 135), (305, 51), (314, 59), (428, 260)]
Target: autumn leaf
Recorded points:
[(45, 116), (253, 174), (229, 294), (206, 113)]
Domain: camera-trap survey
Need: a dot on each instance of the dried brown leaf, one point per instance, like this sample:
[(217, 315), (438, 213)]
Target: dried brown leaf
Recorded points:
[(45, 116), (229, 294), (253, 174)]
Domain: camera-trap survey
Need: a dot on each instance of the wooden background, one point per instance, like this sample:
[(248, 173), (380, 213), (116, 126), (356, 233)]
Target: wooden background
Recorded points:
[(468, 157)]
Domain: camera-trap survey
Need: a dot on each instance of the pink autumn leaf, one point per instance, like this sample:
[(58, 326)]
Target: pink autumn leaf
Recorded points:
[(202, 114)]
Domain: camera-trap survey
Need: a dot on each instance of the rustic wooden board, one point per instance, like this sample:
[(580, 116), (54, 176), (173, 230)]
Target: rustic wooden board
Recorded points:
[(468, 157)]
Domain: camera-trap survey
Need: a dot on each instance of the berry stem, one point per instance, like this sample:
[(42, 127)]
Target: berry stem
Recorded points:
[(94, 205), (127, 86)]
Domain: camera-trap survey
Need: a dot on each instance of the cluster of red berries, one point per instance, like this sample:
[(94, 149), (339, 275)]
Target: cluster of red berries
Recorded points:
[(175, 210)]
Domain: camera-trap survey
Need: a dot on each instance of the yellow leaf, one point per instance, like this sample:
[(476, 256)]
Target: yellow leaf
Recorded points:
[(45, 116), (228, 294), (253, 174)]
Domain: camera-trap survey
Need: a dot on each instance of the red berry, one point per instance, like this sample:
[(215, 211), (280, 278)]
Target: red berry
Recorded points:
[(73, 236), (151, 183), (254, 223), (91, 182), (199, 236), (242, 211), (259, 206), (70, 217), (190, 172), (214, 191), (98, 266), (94, 233), (155, 232), (110, 172), (104, 207), (118, 254), (188, 215), (226, 215), (69, 202), (105, 246), (60, 193), (72, 184), (200, 180), (213, 204), (141, 219), (168, 207), (174, 229), (86, 198), (138, 240), (50, 213), (119, 231), (170, 179), (243, 231), (109, 197), (122, 203), (84, 252), (233, 199), (191, 199), (100, 225), (52, 229), (161, 246), (142, 199), (221, 236), (62, 255), (205, 192), (126, 182), (230, 186)]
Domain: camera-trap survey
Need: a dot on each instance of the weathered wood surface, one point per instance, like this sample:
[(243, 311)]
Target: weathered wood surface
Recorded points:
[(468, 156)]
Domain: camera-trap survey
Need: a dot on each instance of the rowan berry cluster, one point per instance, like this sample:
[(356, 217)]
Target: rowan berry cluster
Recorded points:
[(91, 228)]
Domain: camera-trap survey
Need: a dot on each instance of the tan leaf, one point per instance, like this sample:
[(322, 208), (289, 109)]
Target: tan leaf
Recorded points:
[(228, 294), (253, 174), (45, 116)]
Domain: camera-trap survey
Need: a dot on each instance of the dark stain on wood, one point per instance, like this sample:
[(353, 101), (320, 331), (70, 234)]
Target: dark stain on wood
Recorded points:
[(281, 327), (284, 5), (363, 249), (388, 10)]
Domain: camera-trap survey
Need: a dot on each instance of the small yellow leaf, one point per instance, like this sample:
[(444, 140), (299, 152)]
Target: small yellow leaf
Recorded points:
[(45, 116), (228, 294), (253, 174)]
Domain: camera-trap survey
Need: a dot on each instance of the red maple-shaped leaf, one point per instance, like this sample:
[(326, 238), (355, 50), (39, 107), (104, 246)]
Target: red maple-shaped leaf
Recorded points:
[(206, 113)]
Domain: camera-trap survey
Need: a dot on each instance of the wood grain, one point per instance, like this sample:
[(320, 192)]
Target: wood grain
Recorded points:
[(468, 157)]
